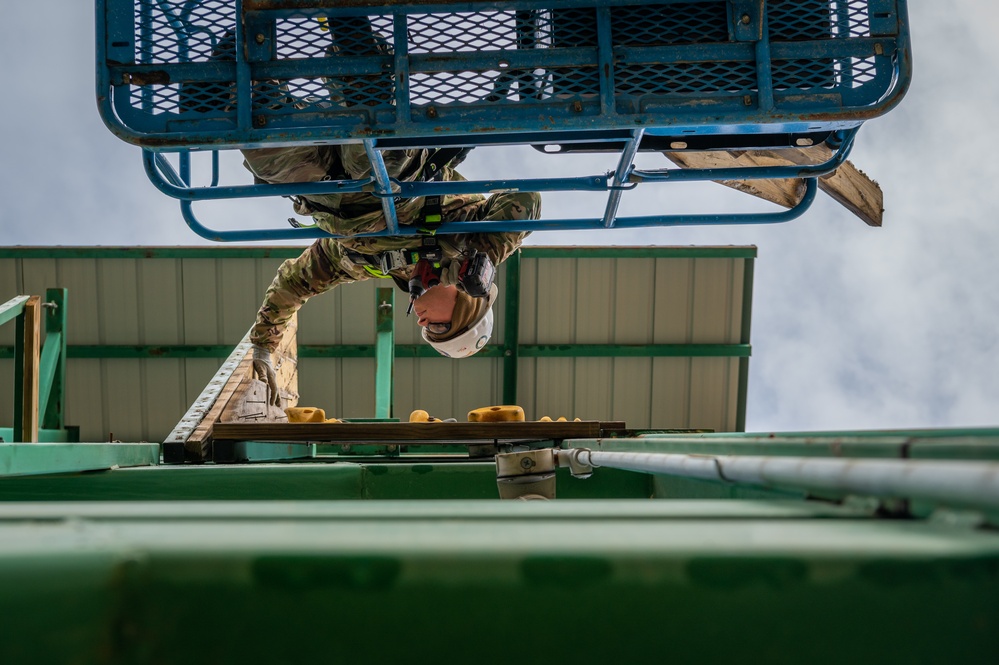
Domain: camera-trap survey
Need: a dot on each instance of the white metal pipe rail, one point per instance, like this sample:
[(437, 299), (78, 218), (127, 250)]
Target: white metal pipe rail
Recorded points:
[(959, 483)]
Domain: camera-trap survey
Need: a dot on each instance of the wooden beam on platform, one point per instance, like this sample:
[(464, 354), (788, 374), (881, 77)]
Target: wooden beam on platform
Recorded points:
[(848, 185), (411, 433)]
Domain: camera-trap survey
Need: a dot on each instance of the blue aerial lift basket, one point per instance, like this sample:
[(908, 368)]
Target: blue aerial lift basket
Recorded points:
[(562, 75)]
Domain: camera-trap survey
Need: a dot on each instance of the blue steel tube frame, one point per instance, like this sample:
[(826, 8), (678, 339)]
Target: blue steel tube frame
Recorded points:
[(168, 180)]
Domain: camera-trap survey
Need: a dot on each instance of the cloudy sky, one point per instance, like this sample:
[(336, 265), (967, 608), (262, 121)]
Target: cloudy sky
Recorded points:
[(854, 328)]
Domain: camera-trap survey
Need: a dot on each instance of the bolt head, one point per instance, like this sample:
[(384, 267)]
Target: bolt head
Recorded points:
[(260, 38), (746, 19)]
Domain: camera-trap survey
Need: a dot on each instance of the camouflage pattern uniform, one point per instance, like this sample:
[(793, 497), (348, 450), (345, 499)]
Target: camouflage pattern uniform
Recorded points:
[(325, 265)]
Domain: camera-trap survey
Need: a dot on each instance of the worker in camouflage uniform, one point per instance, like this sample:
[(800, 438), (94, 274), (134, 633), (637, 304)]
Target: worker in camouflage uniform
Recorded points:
[(454, 323)]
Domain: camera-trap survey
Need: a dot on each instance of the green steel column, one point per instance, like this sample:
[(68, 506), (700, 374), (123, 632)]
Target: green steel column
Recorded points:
[(511, 331), (384, 352), (52, 367), (747, 320), (18, 377)]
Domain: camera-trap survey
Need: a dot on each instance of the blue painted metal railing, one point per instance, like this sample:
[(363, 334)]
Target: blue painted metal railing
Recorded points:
[(181, 75)]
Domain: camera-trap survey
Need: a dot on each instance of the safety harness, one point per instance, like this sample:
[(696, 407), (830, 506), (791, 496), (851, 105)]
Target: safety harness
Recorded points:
[(383, 263), (432, 212)]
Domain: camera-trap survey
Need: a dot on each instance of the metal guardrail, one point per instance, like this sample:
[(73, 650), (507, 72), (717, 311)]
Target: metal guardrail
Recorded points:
[(234, 73), (180, 75)]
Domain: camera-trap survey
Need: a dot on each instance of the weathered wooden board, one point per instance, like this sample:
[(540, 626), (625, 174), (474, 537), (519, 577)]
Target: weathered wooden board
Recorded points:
[(408, 432), (848, 185)]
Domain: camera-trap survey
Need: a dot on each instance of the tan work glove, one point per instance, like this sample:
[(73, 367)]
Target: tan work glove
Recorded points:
[(264, 370), (449, 273)]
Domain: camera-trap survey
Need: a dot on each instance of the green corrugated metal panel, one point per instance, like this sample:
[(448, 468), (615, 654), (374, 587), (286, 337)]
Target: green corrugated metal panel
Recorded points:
[(167, 302), (511, 581)]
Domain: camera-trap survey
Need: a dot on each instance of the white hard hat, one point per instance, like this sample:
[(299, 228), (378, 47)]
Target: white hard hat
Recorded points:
[(475, 335)]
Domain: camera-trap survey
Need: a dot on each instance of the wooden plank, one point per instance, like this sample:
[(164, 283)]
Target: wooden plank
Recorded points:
[(232, 398), (29, 383), (198, 446), (847, 185), (409, 432)]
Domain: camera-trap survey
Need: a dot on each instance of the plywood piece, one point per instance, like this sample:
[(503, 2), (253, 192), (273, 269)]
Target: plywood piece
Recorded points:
[(847, 185), (784, 192)]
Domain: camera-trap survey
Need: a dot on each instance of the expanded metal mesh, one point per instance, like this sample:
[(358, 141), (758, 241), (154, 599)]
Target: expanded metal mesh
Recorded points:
[(674, 24), (168, 31), (688, 78), (461, 43), (798, 20)]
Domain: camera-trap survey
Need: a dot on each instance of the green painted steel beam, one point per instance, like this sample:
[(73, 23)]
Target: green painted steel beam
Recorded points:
[(19, 355), (53, 360), (705, 581), (258, 252), (26, 459), (324, 480), (635, 350), (49, 371), (728, 252), (384, 351), (511, 329), (415, 351), (12, 309), (62, 435), (744, 338)]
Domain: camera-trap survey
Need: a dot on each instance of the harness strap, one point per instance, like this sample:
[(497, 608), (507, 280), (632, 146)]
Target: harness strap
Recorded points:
[(393, 259)]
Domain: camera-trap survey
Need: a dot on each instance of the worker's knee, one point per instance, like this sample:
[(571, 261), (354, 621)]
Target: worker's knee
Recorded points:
[(517, 205)]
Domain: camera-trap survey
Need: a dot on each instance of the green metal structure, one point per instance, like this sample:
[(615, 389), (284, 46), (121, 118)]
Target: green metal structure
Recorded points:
[(848, 546)]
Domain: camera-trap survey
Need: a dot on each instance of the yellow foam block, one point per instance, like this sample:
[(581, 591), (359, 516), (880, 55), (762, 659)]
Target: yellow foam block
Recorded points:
[(305, 414), (496, 414)]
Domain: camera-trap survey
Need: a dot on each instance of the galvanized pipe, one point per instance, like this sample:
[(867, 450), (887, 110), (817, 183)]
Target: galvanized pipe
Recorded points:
[(971, 484)]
